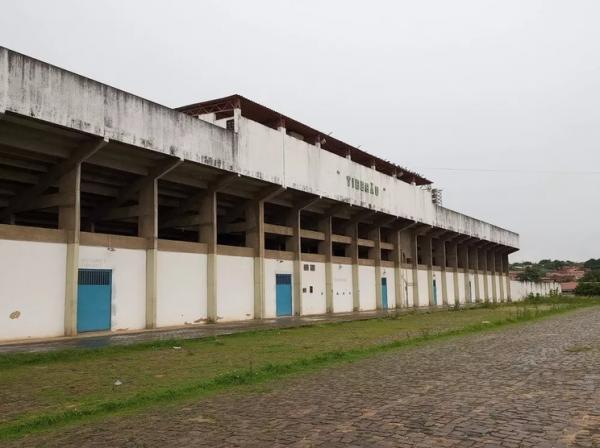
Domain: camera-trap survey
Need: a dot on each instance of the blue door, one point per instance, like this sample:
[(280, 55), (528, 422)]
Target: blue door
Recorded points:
[(434, 292), (94, 299), (384, 302), (283, 294)]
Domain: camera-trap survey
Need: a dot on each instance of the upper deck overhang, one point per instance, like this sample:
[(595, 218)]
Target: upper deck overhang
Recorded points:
[(37, 90)]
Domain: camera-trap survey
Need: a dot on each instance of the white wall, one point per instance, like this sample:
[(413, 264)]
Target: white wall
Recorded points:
[(366, 284), (181, 288), (32, 289), (388, 273), (461, 287), (273, 267), (315, 302), (520, 290), (423, 288), (128, 311), (479, 278), (408, 283), (342, 288), (450, 286), (235, 288)]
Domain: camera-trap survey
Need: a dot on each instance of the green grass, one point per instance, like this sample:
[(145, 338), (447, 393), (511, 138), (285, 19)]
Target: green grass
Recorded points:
[(47, 390)]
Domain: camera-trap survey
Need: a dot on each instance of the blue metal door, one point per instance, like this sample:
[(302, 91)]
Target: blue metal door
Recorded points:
[(283, 294), (94, 299), (434, 292), (384, 302)]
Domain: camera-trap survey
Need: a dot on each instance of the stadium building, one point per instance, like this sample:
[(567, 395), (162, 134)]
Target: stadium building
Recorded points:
[(118, 213)]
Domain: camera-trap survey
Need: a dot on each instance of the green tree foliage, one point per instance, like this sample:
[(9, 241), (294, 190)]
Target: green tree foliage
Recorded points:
[(531, 274), (592, 263), (589, 284)]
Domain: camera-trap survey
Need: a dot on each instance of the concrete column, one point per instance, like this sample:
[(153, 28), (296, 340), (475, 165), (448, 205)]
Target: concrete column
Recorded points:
[(439, 248), (506, 266), (353, 254), (69, 219), (492, 272), (452, 255), (474, 259), (255, 238), (484, 266), (148, 229), (375, 254), (207, 233), (414, 252), (500, 274), (463, 255), (326, 248), (293, 245), (427, 258), (397, 258)]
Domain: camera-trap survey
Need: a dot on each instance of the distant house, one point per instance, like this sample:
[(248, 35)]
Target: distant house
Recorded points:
[(568, 287), (567, 274)]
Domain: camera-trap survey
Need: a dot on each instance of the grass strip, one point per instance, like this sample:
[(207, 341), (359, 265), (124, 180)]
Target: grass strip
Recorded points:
[(263, 374)]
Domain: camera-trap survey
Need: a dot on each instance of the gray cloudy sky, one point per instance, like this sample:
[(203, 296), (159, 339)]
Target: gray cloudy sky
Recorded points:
[(512, 86)]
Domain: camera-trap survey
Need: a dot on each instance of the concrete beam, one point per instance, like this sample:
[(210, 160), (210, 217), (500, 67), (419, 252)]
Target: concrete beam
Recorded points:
[(22, 200), (127, 193)]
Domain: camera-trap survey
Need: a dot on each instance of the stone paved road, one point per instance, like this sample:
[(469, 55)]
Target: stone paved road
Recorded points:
[(536, 385)]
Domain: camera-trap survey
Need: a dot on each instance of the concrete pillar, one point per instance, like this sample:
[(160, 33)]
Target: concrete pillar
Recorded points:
[(255, 238), (352, 252), (506, 266), (414, 253), (452, 256), (463, 256), (207, 233), (427, 259), (400, 298), (293, 245), (484, 266), (492, 272), (69, 219), (500, 270), (474, 259), (148, 229), (326, 248), (439, 248), (375, 254)]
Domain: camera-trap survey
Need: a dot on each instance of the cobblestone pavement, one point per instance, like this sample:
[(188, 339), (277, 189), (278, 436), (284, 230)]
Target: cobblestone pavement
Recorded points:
[(534, 385)]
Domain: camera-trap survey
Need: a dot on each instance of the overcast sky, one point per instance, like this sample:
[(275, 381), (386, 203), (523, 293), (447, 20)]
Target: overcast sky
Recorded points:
[(508, 91)]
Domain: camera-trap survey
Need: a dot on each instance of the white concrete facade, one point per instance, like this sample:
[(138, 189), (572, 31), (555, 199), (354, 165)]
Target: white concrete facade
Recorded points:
[(186, 249)]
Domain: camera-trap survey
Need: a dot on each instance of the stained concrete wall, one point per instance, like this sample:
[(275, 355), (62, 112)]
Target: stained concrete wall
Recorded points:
[(32, 289), (342, 288), (521, 290), (423, 287), (181, 279), (366, 282), (35, 89), (313, 288), (273, 267), (235, 288), (450, 287), (128, 310), (388, 273)]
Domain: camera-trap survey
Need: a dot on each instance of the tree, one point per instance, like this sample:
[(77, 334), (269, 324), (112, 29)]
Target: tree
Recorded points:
[(589, 284), (531, 274), (592, 263)]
